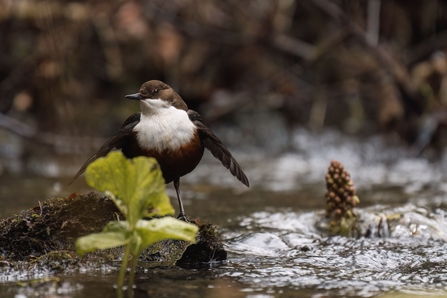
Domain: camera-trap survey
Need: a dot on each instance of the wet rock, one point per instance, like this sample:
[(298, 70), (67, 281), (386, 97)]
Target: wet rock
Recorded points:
[(341, 218), (54, 225), (208, 249), (44, 236), (408, 222)]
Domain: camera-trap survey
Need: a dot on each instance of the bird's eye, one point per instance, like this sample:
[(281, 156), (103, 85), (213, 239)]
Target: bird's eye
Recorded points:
[(155, 91)]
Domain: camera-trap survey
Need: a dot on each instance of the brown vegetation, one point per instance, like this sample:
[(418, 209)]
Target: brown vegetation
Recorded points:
[(364, 66)]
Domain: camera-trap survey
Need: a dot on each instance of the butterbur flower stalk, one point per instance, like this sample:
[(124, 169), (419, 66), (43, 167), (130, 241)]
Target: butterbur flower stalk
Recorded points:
[(341, 195)]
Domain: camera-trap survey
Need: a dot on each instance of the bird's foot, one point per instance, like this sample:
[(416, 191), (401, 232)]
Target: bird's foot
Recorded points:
[(182, 216)]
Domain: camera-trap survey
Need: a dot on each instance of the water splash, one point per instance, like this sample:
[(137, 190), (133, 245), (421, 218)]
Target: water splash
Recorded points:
[(285, 250)]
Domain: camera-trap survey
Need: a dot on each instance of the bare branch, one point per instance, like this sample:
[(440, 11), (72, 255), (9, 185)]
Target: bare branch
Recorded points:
[(373, 22), (293, 46)]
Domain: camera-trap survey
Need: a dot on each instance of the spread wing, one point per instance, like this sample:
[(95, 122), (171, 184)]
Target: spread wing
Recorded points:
[(219, 151), (114, 142)]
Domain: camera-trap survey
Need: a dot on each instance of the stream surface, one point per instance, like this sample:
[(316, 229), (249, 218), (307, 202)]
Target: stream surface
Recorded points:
[(270, 230)]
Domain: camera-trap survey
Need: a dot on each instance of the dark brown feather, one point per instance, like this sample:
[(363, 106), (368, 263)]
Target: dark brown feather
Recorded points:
[(114, 142), (217, 148)]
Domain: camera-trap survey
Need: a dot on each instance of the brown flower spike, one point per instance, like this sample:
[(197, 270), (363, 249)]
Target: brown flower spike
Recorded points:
[(341, 197)]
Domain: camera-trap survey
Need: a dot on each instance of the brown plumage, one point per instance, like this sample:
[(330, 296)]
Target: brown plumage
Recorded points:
[(176, 138)]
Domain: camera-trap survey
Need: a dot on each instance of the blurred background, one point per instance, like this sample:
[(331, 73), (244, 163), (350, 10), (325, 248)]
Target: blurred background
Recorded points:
[(256, 70), (288, 85)]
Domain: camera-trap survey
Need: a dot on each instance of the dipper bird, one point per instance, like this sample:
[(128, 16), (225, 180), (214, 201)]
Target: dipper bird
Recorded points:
[(168, 131)]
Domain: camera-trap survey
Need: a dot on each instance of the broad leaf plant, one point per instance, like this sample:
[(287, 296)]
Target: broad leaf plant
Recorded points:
[(137, 188)]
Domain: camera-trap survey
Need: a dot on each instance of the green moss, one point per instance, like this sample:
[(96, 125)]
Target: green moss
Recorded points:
[(47, 240), (53, 225)]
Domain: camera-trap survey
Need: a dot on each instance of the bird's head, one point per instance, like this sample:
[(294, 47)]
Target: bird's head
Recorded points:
[(155, 95)]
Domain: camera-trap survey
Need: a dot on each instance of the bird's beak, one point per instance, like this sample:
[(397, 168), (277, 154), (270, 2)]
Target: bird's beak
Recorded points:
[(135, 96)]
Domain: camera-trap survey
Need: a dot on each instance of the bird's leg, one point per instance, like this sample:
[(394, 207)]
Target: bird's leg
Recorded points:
[(182, 215)]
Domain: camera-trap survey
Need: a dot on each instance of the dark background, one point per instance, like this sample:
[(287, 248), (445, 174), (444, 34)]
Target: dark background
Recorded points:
[(364, 67)]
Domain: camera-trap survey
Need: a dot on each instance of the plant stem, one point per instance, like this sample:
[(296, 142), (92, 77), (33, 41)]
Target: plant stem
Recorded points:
[(123, 267), (133, 265)]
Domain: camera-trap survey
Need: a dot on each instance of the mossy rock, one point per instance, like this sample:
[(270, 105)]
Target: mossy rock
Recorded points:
[(54, 225), (208, 249), (44, 235)]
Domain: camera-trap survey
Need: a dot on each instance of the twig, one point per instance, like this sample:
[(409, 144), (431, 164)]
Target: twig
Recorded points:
[(40, 206), (328, 45), (373, 21), (293, 46)]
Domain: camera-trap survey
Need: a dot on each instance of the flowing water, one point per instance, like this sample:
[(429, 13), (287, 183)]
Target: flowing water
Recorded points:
[(275, 248)]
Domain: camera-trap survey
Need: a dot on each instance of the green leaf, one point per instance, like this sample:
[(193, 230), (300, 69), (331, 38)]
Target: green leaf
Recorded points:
[(137, 188), (114, 234), (117, 227), (154, 230), (96, 241), (137, 185)]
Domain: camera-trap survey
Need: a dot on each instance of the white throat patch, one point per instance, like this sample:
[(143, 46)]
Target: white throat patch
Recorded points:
[(164, 128)]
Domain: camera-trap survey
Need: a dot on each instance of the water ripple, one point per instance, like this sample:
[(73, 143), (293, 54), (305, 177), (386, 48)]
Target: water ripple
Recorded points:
[(284, 249)]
